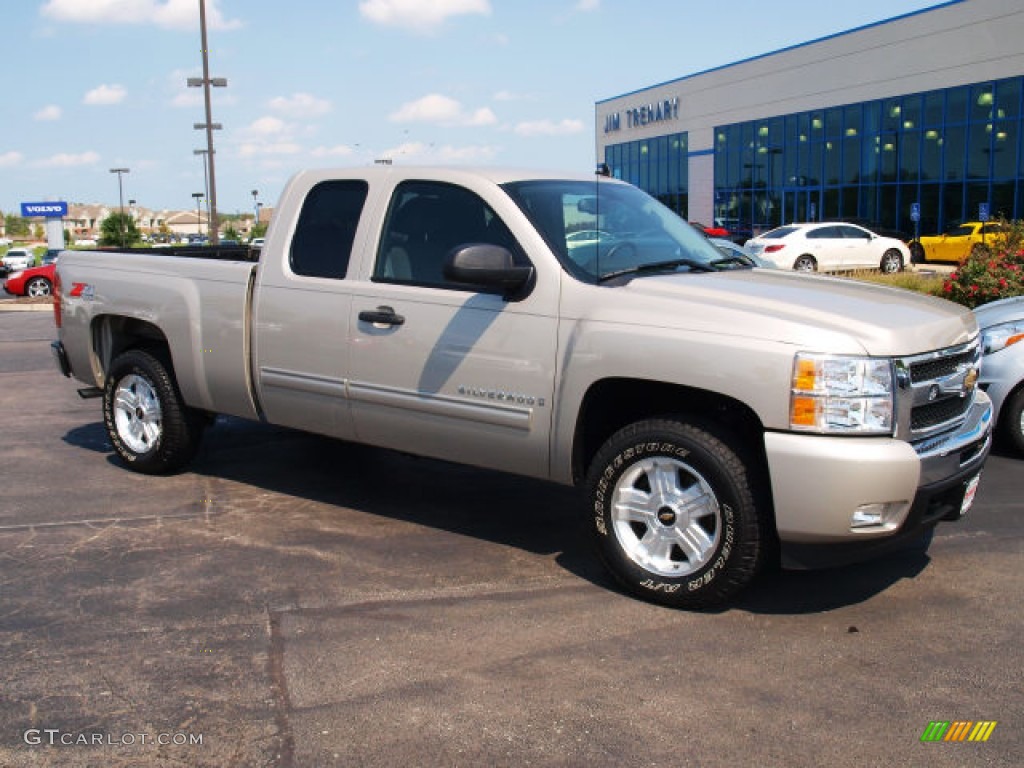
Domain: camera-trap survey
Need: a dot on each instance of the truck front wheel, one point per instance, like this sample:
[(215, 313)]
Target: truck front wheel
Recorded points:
[(675, 515), (150, 427)]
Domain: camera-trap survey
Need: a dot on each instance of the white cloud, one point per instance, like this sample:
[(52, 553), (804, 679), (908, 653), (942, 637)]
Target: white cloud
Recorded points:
[(268, 136), (193, 97), (300, 105), (420, 15), (169, 14), (588, 5), (256, 149), (48, 113), (420, 152), (268, 126), (471, 154), (549, 128), (105, 95), (68, 160), (340, 150), (436, 108), (10, 159)]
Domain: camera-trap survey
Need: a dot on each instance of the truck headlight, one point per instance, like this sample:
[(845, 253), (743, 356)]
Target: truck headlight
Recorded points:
[(841, 395), (1001, 336)]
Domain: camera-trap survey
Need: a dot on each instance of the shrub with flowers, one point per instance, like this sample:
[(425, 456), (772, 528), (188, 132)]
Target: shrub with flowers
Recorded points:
[(992, 271)]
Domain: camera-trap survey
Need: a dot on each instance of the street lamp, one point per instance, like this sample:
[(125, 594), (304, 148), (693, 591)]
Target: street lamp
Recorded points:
[(256, 208), (199, 221), (206, 179), (120, 194), (209, 126)]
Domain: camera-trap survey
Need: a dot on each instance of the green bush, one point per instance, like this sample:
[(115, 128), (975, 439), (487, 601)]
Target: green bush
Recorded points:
[(991, 272)]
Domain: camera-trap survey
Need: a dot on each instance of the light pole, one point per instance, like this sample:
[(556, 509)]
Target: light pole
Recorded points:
[(199, 221), (206, 179), (209, 126), (120, 194), (256, 210)]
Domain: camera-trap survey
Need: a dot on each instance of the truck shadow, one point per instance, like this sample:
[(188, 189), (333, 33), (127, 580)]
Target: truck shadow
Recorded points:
[(532, 515)]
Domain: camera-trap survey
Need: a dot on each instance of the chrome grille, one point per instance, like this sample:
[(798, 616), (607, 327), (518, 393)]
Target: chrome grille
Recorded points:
[(927, 370), (935, 390)]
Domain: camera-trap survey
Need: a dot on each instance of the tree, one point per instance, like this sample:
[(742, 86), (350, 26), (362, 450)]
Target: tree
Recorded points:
[(16, 226), (231, 233), (119, 229)]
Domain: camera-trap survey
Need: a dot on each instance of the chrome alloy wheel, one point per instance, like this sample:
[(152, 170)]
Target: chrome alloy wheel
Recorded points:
[(666, 517), (137, 413)]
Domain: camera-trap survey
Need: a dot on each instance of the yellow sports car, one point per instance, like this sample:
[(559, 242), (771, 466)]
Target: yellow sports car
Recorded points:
[(956, 244)]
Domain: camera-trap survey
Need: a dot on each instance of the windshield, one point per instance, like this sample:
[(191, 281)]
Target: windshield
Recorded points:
[(600, 230)]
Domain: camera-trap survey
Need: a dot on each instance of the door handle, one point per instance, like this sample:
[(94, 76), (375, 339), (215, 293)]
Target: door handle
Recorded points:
[(381, 316)]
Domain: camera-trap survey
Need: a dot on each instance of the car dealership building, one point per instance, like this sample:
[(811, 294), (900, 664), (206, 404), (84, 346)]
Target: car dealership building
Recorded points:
[(916, 117)]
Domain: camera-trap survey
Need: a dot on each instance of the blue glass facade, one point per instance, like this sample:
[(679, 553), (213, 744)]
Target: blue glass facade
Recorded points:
[(947, 150), (659, 166)]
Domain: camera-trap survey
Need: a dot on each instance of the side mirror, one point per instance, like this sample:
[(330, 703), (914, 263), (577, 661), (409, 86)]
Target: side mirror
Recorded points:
[(488, 267)]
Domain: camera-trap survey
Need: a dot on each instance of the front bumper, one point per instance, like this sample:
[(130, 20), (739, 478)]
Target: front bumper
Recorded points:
[(820, 483)]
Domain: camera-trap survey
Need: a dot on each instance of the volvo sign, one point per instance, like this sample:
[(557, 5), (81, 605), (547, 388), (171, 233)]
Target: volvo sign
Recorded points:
[(49, 210)]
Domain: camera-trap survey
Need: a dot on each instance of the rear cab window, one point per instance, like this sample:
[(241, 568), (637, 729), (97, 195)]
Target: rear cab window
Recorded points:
[(326, 228)]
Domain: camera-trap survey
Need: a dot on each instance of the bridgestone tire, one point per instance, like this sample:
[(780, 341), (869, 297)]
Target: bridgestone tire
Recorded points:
[(149, 425), (674, 514)]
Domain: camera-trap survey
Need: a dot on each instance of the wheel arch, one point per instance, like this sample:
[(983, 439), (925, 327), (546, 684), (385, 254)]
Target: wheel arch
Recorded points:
[(611, 404), (809, 256), (113, 334)]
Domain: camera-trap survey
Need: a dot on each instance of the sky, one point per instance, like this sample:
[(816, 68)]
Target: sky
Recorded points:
[(99, 84)]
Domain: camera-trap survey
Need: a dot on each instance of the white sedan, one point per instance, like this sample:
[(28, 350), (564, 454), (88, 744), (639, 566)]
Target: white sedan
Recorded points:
[(829, 247)]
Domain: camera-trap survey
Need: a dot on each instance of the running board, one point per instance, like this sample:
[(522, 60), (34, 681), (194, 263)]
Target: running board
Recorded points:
[(87, 392)]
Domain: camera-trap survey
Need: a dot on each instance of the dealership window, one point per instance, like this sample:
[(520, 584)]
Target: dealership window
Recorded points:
[(948, 150), (659, 166)]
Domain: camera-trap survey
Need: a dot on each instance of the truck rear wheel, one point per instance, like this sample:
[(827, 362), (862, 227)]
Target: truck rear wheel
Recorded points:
[(149, 425), (674, 514)]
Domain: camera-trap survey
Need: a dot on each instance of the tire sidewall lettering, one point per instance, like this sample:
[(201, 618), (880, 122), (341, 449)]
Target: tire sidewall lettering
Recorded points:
[(612, 472)]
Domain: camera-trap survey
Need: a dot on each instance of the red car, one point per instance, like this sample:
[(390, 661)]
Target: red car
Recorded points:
[(715, 231), (34, 281)]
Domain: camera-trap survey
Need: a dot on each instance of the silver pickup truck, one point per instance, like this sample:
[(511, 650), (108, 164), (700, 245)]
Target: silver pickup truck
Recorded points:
[(568, 327)]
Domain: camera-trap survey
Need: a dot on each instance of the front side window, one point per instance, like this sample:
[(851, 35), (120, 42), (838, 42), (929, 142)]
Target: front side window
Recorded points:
[(599, 230), (426, 221), (322, 243)]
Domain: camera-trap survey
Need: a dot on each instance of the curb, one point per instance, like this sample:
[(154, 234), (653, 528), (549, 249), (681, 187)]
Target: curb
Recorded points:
[(13, 306)]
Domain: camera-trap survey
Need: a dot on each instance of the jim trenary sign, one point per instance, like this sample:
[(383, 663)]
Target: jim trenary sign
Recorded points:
[(645, 114)]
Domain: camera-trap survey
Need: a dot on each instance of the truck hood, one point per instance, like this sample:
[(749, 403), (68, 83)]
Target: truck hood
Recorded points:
[(813, 312)]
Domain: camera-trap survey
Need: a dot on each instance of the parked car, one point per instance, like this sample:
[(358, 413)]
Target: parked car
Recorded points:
[(35, 281), (957, 243), (50, 257), (18, 258), (828, 246), (1002, 370), (729, 248), (715, 231)]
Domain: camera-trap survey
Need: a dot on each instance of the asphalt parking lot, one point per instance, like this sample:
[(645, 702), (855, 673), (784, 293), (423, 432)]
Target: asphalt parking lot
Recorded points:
[(294, 601)]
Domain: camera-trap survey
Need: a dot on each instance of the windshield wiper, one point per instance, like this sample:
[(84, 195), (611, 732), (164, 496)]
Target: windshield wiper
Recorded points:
[(658, 266), (739, 260)]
